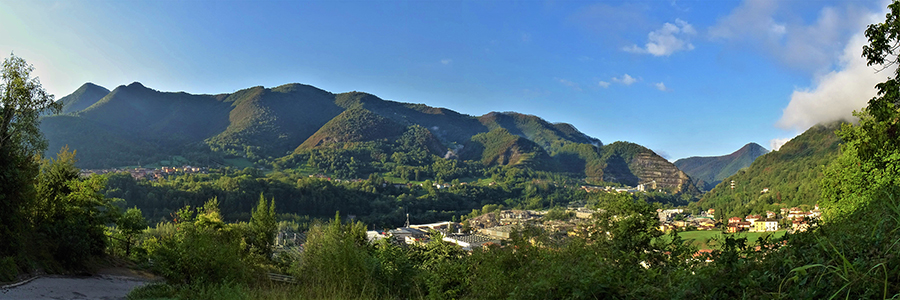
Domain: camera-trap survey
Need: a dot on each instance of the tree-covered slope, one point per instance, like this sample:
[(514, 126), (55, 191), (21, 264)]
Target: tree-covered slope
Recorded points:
[(164, 116), (709, 171), (272, 122), (82, 98), (354, 125), (500, 147), (449, 126), (549, 136), (792, 176), (137, 125), (99, 146)]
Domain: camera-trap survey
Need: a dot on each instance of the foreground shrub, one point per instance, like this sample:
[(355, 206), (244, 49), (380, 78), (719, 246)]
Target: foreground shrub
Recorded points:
[(8, 269)]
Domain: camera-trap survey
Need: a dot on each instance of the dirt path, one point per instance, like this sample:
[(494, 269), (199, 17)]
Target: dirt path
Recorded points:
[(101, 286)]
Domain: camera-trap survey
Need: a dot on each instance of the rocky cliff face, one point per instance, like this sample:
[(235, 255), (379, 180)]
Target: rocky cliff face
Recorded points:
[(649, 167), (633, 164)]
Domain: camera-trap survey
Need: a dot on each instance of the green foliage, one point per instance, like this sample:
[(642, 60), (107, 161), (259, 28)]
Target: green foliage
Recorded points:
[(500, 147), (8, 269), (130, 224), (263, 227), (870, 156), (549, 136), (22, 100), (558, 213), (338, 257), (71, 214), (199, 255), (354, 125)]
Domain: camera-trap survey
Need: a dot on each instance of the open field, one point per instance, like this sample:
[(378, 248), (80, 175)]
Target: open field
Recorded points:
[(710, 239)]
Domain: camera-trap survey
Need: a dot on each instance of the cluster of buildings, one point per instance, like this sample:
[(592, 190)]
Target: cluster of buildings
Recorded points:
[(671, 219), (643, 187), (798, 218), (147, 173), (488, 229)]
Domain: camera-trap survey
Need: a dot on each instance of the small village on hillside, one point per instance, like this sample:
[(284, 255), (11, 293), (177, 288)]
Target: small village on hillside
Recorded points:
[(148, 173)]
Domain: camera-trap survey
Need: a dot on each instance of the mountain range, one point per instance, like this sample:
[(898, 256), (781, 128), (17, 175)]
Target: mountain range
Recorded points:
[(710, 171), (133, 125)]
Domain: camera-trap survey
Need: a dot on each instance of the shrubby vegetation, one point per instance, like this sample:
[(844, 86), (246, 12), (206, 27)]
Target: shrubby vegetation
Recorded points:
[(49, 217)]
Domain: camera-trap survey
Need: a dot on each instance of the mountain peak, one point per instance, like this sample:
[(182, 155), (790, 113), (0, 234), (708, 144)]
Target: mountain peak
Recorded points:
[(713, 169), (90, 86), (136, 85), (82, 98)]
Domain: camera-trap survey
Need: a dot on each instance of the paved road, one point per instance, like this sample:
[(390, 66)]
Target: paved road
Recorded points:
[(106, 287)]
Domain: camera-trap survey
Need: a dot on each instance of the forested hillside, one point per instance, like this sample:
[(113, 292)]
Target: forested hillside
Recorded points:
[(788, 177), (357, 134)]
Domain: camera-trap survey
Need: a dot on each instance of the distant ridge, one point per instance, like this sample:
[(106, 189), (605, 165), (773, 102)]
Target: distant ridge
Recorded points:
[(709, 171), (134, 125)]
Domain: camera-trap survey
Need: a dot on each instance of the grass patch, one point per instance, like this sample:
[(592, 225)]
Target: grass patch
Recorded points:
[(710, 239), (240, 162)]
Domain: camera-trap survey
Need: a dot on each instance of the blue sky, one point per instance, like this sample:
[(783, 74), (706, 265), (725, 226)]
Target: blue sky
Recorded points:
[(684, 78)]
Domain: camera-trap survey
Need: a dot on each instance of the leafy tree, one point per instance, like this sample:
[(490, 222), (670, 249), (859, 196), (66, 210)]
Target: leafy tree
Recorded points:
[(209, 216), (263, 227), (130, 224), (870, 156), (71, 213), (22, 101)]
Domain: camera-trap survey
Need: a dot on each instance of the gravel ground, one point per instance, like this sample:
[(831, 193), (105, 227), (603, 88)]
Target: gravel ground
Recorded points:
[(70, 288)]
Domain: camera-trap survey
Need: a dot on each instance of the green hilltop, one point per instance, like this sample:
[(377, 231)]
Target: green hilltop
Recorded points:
[(354, 125)]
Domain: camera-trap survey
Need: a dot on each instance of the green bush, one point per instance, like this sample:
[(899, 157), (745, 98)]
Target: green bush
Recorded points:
[(8, 269), (200, 255), (338, 258)]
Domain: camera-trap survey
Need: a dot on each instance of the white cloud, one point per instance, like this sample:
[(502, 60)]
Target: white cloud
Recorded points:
[(603, 84), (777, 29), (667, 40), (661, 86), (836, 94), (776, 144), (625, 79), (446, 61)]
